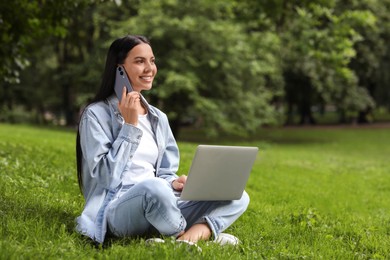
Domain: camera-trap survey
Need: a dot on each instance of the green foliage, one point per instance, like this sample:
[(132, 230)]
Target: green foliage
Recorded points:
[(209, 68), (315, 194), (226, 66), (22, 23), (320, 46), (370, 62)]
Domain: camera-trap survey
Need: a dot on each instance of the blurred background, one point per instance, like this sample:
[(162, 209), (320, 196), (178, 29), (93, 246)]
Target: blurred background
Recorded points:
[(224, 65)]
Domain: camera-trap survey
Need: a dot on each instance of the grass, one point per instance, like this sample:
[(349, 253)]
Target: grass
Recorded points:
[(315, 193)]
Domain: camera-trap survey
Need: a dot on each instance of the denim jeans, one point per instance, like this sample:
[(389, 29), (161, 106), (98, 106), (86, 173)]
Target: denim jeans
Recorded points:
[(151, 207)]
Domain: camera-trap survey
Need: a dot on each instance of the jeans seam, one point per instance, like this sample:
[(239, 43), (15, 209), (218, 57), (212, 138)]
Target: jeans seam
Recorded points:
[(178, 228), (172, 224), (212, 224)]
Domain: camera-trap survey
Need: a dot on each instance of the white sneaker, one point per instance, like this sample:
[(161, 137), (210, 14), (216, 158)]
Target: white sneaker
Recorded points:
[(226, 239)]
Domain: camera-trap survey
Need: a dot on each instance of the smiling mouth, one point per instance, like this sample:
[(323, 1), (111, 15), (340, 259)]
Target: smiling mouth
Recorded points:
[(147, 78)]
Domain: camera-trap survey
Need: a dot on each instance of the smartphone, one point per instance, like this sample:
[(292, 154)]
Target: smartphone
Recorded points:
[(121, 80)]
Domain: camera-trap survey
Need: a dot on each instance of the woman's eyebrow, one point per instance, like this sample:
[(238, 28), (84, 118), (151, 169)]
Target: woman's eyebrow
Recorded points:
[(143, 58)]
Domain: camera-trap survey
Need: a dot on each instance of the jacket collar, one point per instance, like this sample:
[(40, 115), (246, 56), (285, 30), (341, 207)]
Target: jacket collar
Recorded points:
[(113, 101)]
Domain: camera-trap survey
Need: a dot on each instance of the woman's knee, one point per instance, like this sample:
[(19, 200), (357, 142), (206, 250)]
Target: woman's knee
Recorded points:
[(244, 201), (156, 187)]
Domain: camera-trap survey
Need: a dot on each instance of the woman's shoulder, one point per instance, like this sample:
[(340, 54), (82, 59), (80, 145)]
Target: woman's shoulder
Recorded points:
[(96, 109)]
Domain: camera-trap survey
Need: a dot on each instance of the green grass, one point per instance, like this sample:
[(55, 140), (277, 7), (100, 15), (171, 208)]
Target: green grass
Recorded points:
[(319, 193)]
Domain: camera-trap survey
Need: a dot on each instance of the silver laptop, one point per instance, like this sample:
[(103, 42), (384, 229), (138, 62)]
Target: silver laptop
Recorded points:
[(219, 172)]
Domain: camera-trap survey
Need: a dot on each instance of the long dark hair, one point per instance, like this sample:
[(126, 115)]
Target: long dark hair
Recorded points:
[(117, 54)]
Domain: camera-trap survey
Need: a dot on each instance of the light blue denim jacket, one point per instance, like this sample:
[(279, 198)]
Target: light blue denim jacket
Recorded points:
[(108, 145)]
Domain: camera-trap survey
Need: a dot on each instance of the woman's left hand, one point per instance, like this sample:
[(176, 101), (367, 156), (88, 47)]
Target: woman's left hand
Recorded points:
[(179, 183)]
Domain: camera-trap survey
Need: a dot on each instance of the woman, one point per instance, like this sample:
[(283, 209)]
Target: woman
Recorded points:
[(127, 159)]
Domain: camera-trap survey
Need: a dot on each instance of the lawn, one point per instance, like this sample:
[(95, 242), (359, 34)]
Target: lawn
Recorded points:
[(315, 193)]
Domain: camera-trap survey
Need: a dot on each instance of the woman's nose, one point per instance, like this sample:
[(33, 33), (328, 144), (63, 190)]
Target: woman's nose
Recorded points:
[(148, 66)]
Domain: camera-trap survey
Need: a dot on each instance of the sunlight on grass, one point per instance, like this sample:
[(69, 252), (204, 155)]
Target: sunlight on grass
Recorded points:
[(321, 193)]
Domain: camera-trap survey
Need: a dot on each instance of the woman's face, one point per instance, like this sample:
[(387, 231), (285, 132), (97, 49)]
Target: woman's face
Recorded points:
[(140, 67)]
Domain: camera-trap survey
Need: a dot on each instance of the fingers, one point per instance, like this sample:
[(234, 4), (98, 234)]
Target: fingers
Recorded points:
[(179, 183), (178, 186), (133, 97), (182, 179), (128, 106), (130, 98)]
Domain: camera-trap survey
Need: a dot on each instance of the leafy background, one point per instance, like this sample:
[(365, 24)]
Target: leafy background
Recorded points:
[(224, 66)]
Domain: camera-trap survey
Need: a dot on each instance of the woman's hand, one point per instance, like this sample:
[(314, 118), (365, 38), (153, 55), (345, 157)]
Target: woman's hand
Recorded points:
[(179, 183), (128, 106)]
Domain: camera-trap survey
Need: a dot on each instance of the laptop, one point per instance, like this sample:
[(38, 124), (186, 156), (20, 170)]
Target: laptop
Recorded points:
[(219, 172)]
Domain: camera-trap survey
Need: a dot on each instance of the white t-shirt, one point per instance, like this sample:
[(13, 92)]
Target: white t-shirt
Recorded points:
[(145, 157)]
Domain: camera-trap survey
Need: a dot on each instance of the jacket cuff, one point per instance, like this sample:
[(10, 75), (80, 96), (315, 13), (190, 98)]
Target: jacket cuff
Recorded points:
[(130, 133)]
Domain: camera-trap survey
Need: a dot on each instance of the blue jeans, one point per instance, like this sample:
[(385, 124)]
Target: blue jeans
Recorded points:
[(151, 207)]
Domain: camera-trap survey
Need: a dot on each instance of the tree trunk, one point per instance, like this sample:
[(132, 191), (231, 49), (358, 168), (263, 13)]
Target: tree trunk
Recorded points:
[(363, 117), (306, 114), (175, 127), (67, 95)]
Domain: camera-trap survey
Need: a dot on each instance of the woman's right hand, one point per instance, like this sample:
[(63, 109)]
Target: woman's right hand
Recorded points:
[(128, 106), (178, 184)]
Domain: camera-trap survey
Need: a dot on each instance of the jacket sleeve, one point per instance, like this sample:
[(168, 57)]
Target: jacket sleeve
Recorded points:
[(105, 156)]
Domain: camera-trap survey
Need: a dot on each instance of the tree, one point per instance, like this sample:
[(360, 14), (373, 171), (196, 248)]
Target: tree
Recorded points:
[(23, 25), (371, 62), (24, 22), (19, 26), (226, 65), (321, 41), (210, 70), (319, 45), (62, 38)]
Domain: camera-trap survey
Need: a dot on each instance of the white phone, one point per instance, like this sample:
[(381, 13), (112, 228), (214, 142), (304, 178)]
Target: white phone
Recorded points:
[(121, 80)]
